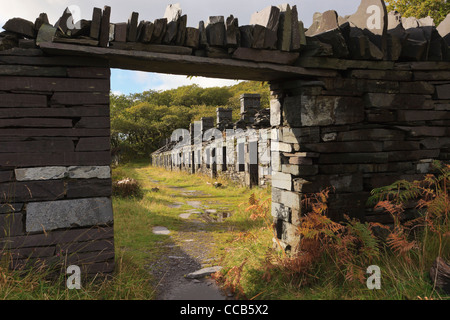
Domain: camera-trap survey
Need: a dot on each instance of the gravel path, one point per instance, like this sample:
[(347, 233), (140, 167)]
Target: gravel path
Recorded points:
[(188, 251)]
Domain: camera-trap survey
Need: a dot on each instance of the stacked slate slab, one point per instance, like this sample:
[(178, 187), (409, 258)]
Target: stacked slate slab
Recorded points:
[(274, 35), (55, 176), (376, 123)]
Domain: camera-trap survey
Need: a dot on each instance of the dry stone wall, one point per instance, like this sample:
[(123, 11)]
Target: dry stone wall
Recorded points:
[(55, 175), (373, 125)]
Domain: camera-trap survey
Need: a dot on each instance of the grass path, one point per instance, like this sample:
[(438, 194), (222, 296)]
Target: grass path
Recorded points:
[(196, 239)]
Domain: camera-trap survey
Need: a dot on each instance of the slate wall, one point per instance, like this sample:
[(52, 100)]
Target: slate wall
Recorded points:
[(243, 157), (376, 123), (55, 176)]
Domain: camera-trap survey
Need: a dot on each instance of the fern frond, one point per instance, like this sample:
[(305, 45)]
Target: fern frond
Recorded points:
[(398, 242)]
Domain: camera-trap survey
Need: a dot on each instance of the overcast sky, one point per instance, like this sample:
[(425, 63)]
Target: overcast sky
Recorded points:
[(131, 81)]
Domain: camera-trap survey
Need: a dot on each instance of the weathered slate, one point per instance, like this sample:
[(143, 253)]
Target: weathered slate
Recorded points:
[(203, 42), (6, 176), (371, 135), (186, 64), (64, 21), (89, 172), (159, 30), (7, 43), (120, 34), (282, 181), (35, 123), (88, 246), (105, 27), (89, 188), (38, 146), (55, 173), (40, 173), (82, 29), (343, 64), (152, 48), (181, 31), (316, 48), (146, 33), (414, 50), (132, 27), (41, 20), (73, 98), (10, 70), (171, 33), (96, 23), (88, 72), (268, 18), (54, 215), (83, 42), (395, 37), (233, 36), (327, 30), (52, 84), (285, 28), (22, 100), (258, 37), (32, 190), (21, 26), (27, 43), (55, 159), (70, 112), (336, 39), (443, 91), (54, 132), (192, 37), (10, 207), (11, 225), (269, 56), (344, 147), (51, 61), (298, 31), (93, 122), (246, 36), (416, 115), (396, 101), (93, 144), (386, 75), (215, 31), (60, 237)]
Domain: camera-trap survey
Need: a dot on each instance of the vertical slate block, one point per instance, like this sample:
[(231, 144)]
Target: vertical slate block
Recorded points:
[(105, 27)]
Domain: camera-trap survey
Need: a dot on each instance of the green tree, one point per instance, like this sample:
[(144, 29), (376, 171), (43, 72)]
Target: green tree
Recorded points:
[(140, 121), (436, 9)]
